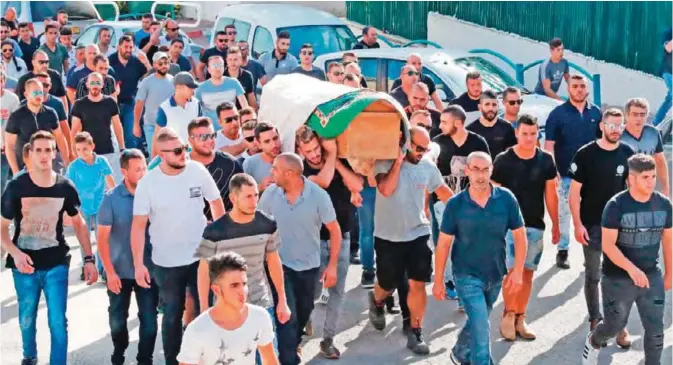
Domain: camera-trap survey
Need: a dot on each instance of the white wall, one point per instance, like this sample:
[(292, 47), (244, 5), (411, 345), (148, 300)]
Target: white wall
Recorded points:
[(210, 9), (617, 83)]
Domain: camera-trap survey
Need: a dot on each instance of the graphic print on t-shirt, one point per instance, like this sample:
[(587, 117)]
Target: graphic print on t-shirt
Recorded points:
[(641, 229), (455, 180), (38, 222)]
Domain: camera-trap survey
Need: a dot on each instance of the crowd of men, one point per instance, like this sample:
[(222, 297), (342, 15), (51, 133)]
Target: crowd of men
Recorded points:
[(234, 240)]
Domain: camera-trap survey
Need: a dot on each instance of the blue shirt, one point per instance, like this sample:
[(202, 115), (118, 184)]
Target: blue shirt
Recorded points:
[(128, 75), (274, 66), (140, 35), (479, 233), (256, 69), (299, 223), (570, 130), (89, 180), (184, 64), (554, 72), (77, 74), (212, 95), (116, 211)]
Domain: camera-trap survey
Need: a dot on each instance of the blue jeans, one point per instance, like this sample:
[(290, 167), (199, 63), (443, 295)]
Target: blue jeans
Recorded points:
[(437, 212), (473, 345), (666, 104), (533, 251), (366, 221), (148, 130), (54, 283), (92, 225), (564, 213), (300, 295), (147, 301), (4, 173), (337, 293), (172, 282), (126, 116)]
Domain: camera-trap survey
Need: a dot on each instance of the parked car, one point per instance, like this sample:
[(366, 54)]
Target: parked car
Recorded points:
[(81, 14), (260, 23), (448, 69)]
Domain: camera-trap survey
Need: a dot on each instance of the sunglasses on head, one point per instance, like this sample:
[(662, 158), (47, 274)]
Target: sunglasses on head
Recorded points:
[(177, 150), (514, 102), (43, 62), (250, 139), (231, 119), (205, 136), (411, 73)]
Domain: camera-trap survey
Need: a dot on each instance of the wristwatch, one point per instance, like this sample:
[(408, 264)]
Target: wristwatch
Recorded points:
[(90, 259)]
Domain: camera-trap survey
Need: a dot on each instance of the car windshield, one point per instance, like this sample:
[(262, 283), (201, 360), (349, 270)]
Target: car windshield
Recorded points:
[(77, 10), (493, 78), (324, 38)]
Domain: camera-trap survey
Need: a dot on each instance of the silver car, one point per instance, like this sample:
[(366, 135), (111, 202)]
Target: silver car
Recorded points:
[(81, 14)]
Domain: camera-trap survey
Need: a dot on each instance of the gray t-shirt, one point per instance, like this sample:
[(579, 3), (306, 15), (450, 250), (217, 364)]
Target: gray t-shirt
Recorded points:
[(252, 241), (553, 72), (256, 167), (401, 216), (299, 224), (154, 91), (315, 72), (649, 142)]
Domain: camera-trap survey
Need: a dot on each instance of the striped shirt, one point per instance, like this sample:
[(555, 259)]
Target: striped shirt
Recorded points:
[(250, 240)]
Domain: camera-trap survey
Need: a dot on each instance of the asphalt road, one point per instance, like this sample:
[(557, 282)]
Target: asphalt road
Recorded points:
[(557, 313)]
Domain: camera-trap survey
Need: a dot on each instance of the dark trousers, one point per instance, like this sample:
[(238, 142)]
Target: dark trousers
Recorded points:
[(147, 301), (300, 294), (172, 283)]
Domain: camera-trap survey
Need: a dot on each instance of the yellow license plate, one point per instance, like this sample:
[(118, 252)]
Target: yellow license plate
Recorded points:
[(75, 30)]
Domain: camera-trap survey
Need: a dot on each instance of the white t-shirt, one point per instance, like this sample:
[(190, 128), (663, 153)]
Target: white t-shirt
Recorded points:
[(224, 141), (206, 343), (9, 102), (175, 208)]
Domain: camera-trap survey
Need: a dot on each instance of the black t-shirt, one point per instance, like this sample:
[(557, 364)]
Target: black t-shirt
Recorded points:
[(222, 168), (28, 49), (424, 79), (96, 118), (341, 199), (401, 97), (245, 78), (435, 116), (469, 104), (362, 45), (213, 51), (499, 137), (640, 227), (453, 159), (24, 123), (151, 51), (57, 87), (527, 180), (602, 175), (38, 217)]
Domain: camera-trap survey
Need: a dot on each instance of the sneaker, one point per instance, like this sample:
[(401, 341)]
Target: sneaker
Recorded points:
[(29, 361), (562, 259), (406, 326), (451, 290), (328, 350), (308, 329), (590, 353), (324, 297), (391, 307), (355, 258), (416, 343), (368, 278), (461, 309), (454, 361), (376, 315)]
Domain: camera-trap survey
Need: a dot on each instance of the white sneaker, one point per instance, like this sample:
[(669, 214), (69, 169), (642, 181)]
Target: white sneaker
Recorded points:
[(589, 354), (324, 297)]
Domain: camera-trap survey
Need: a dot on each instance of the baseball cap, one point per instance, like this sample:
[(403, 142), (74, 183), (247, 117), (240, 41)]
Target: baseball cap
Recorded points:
[(159, 55), (185, 78)]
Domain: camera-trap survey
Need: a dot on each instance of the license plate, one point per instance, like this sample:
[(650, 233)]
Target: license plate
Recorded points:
[(75, 30)]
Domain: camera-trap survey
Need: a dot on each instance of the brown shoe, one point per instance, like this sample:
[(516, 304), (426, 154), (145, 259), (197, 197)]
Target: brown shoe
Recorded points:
[(522, 328), (507, 328), (624, 339)]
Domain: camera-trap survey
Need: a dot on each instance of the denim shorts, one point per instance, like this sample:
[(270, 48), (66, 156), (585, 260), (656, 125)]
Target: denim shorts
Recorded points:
[(534, 251)]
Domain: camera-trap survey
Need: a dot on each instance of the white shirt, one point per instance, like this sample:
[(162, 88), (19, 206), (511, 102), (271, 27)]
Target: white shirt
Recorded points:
[(175, 208), (224, 141), (206, 343), (12, 68)]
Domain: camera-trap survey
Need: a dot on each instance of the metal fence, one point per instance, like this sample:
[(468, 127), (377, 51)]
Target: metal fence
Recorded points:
[(628, 33)]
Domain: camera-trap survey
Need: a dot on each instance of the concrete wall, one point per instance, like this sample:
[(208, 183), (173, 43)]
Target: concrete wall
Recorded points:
[(210, 9), (617, 83)]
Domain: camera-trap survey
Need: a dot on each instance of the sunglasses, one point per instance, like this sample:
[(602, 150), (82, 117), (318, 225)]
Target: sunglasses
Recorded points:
[(411, 73), (231, 119), (222, 40), (514, 102), (205, 136), (162, 64), (36, 93), (95, 83), (177, 150), (305, 53), (420, 149), (615, 127), (8, 50), (217, 65), (243, 48), (250, 139), (173, 29), (232, 33), (44, 62), (46, 85)]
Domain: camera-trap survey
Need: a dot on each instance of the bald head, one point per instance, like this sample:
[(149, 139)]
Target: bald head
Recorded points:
[(419, 135), (290, 162), (415, 60)]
